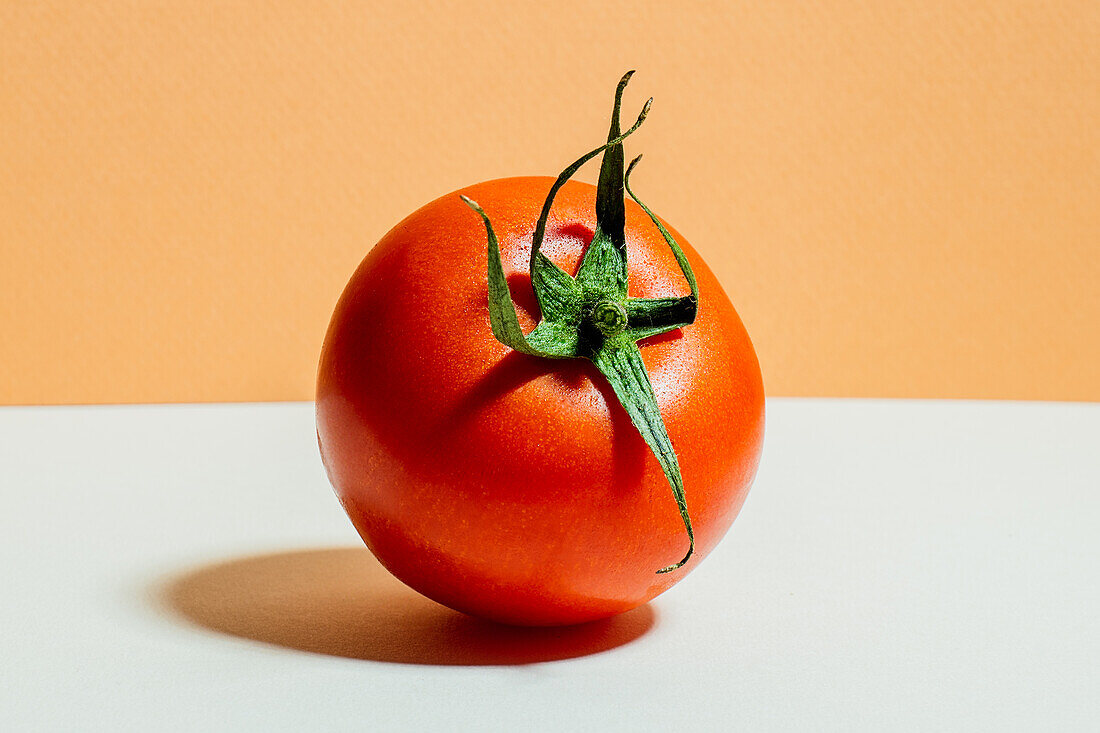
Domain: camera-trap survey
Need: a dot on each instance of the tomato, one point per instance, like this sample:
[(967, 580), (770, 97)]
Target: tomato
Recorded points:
[(510, 486)]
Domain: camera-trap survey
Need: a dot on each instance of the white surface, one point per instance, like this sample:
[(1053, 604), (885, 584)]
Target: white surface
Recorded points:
[(898, 566)]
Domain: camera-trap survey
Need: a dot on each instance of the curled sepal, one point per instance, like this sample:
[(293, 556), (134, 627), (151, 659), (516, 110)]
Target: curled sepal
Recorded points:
[(603, 269), (652, 316), (502, 311), (539, 259), (621, 363), (610, 208)]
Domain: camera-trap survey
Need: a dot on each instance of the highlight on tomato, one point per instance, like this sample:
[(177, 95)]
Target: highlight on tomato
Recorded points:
[(535, 401)]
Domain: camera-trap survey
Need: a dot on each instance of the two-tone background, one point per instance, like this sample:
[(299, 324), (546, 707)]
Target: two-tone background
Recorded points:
[(902, 199)]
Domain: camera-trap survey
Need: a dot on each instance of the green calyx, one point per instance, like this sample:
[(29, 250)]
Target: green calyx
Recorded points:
[(590, 316)]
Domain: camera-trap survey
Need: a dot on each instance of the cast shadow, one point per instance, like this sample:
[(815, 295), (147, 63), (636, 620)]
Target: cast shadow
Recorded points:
[(343, 603)]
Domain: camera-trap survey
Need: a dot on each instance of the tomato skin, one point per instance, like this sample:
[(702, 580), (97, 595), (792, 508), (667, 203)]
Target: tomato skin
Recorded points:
[(512, 487)]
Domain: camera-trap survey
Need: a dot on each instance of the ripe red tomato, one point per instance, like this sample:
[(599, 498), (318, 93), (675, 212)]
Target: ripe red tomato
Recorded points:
[(510, 486)]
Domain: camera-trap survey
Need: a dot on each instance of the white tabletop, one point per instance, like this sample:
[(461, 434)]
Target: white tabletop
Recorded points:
[(898, 566)]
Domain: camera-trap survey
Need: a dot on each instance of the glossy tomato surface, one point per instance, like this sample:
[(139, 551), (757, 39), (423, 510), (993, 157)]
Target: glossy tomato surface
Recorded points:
[(508, 486)]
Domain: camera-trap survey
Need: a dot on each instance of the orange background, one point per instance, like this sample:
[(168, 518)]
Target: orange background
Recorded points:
[(901, 198)]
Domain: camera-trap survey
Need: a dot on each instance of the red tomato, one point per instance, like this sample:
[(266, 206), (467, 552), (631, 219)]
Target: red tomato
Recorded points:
[(509, 486)]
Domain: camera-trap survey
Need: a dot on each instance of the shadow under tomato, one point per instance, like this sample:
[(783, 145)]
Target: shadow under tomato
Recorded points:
[(343, 603)]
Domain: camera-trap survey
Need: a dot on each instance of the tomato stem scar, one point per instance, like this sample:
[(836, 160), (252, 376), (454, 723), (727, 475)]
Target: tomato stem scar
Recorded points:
[(609, 317)]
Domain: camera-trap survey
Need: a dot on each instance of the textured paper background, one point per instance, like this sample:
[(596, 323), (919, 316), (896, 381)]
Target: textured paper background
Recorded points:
[(900, 198)]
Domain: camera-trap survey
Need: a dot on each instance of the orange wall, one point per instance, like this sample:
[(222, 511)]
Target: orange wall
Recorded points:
[(902, 198)]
